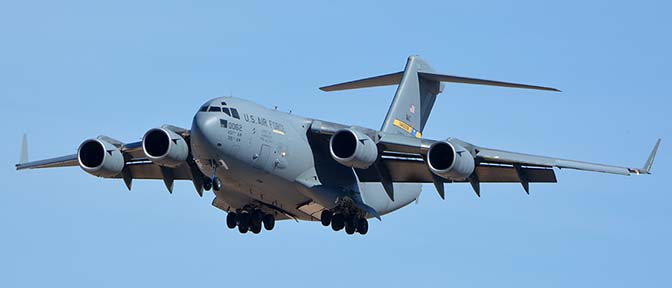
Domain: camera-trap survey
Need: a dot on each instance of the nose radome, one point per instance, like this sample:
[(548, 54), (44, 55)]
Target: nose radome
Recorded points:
[(204, 128)]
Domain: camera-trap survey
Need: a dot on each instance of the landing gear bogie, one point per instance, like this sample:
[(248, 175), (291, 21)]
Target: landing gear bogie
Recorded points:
[(250, 219), (352, 221)]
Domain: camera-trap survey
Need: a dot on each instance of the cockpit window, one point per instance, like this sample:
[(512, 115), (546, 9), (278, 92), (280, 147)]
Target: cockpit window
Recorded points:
[(223, 103), (215, 109), (234, 113), (226, 111), (204, 108)]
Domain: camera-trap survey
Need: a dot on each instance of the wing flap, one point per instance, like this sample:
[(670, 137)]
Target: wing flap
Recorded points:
[(414, 170), (149, 170)]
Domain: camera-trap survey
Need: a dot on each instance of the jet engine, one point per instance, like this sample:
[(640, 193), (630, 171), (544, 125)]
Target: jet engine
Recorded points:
[(165, 147), (450, 161), (100, 158), (353, 149)]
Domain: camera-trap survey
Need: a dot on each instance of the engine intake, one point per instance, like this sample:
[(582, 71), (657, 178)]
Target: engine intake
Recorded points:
[(353, 149), (165, 147), (100, 158), (450, 161)]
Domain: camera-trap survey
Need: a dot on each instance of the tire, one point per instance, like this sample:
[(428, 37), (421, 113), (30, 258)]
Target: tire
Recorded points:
[(256, 228), (350, 229), (352, 221), (231, 220), (325, 217), (242, 229), (244, 219), (256, 216), (217, 184), (207, 184), (269, 222), (337, 222), (363, 226)]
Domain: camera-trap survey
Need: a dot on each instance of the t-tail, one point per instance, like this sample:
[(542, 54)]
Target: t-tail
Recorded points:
[(416, 93)]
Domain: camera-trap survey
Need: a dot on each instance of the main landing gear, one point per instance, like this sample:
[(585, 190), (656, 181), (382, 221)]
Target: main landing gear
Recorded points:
[(339, 220), (250, 219)]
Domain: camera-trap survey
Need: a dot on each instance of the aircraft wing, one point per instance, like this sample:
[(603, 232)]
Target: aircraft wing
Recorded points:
[(137, 165), (403, 157)]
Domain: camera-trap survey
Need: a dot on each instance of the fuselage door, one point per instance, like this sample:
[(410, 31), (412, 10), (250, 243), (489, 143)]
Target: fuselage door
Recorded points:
[(262, 157)]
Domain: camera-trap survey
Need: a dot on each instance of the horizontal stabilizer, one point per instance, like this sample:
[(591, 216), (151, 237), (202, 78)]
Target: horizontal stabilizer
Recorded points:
[(383, 80), (465, 80), (395, 78)]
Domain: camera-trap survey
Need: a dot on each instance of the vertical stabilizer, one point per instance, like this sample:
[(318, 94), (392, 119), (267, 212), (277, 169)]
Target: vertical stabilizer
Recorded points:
[(413, 100)]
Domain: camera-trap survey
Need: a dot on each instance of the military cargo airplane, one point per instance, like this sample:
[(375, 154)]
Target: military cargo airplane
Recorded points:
[(265, 165)]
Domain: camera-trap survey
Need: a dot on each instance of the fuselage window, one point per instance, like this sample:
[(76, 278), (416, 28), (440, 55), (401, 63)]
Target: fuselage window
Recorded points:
[(226, 111), (234, 113), (204, 108), (215, 109)]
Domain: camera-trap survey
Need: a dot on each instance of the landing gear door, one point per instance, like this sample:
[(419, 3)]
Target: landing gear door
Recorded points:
[(262, 157)]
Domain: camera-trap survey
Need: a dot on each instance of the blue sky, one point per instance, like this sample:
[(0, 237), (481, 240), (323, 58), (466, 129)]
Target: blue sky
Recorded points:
[(70, 70)]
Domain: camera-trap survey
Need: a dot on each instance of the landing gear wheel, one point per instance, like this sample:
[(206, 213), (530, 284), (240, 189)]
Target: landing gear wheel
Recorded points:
[(255, 228), (231, 220), (349, 229), (242, 229), (363, 226), (207, 184), (325, 217), (269, 222), (352, 221), (337, 222), (216, 184), (243, 222), (256, 216), (255, 221)]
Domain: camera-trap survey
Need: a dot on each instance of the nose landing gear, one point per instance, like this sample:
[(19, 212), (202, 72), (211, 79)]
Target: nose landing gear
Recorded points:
[(213, 182)]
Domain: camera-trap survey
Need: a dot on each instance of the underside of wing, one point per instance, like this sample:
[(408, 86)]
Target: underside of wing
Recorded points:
[(127, 161), (409, 169)]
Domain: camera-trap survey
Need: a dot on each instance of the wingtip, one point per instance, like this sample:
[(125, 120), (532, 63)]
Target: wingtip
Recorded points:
[(24, 150), (649, 162)]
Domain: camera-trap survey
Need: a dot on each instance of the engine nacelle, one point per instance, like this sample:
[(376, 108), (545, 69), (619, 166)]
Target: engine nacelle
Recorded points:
[(100, 158), (165, 147), (353, 149), (450, 161)]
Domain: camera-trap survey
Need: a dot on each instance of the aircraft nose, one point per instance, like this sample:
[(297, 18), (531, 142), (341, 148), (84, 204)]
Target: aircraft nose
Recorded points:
[(203, 132)]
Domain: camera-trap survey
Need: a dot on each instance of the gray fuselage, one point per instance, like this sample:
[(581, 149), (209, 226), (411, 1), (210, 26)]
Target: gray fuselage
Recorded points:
[(266, 157)]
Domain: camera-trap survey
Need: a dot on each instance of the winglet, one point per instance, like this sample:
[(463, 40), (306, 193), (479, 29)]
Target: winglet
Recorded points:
[(649, 162), (24, 150)]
